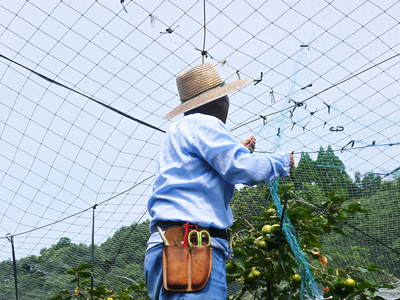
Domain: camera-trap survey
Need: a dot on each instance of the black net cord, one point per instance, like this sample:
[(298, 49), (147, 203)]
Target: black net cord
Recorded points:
[(11, 240), (92, 249)]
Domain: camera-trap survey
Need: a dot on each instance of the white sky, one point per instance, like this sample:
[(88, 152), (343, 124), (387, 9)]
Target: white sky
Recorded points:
[(60, 153)]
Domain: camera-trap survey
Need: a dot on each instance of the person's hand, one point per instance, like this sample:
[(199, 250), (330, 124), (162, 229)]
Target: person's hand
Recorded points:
[(250, 143), (291, 156)]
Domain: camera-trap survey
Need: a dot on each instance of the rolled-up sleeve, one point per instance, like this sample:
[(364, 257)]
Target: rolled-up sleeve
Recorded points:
[(234, 162)]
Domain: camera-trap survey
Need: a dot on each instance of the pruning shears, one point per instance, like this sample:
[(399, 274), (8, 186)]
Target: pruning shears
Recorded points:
[(199, 238)]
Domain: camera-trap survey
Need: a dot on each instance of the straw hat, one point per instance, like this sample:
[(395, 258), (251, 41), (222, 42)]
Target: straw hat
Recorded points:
[(200, 85)]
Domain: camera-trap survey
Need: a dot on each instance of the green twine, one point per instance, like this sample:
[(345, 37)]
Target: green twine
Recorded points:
[(309, 288)]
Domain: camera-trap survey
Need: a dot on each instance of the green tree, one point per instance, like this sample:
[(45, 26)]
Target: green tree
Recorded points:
[(370, 182), (265, 267)]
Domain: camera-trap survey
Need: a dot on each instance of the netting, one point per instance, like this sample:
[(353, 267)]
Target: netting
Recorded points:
[(309, 288), (84, 87)]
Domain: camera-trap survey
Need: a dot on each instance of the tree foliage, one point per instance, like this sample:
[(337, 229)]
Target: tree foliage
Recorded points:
[(265, 267), (82, 277)]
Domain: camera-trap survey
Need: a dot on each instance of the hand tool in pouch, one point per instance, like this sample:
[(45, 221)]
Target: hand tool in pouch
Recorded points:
[(187, 258)]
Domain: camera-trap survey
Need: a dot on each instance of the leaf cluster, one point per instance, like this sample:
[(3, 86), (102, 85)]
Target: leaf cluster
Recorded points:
[(82, 278), (263, 263)]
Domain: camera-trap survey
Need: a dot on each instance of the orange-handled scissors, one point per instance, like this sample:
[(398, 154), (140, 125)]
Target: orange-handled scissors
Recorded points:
[(199, 238)]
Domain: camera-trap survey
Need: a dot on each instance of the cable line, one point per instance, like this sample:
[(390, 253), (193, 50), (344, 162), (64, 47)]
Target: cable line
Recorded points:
[(84, 95), (79, 212), (203, 53), (341, 149)]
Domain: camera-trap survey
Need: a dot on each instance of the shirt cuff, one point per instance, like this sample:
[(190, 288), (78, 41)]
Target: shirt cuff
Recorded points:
[(280, 164)]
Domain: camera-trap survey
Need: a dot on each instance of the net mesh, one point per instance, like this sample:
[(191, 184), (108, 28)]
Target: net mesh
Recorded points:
[(326, 87), (308, 288)]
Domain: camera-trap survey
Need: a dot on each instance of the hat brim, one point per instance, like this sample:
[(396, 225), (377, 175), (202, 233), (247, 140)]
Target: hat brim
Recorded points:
[(207, 97)]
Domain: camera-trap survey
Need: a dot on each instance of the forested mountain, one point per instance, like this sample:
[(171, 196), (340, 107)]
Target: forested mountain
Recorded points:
[(118, 261)]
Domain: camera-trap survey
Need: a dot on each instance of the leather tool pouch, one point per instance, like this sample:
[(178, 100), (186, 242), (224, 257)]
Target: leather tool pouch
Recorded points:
[(185, 269)]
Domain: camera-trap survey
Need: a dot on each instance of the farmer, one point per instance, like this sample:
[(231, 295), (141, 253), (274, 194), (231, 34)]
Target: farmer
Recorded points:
[(199, 164)]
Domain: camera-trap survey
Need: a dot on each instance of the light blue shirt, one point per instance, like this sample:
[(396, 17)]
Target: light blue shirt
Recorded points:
[(199, 164)]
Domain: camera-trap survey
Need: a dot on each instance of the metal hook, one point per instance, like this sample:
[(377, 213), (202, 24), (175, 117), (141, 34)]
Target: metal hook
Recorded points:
[(336, 129), (152, 18), (257, 81), (271, 92), (328, 106), (238, 75), (351, 144), (123, 6), (307, 86)]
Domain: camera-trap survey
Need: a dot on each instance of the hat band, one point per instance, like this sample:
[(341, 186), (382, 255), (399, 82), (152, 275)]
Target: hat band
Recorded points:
[(198, 94)]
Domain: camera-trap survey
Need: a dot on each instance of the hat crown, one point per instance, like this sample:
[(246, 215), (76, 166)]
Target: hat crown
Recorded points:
[(197, 80)]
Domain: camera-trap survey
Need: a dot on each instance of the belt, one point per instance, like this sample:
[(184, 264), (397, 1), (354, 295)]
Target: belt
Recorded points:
[(214, 232)]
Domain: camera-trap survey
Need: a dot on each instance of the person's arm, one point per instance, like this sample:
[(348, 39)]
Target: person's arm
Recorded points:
[(232, 160)]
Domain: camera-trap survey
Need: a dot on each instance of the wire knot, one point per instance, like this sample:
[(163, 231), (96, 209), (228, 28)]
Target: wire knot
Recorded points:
[(169, 30), (264, 118), (204, 53)]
